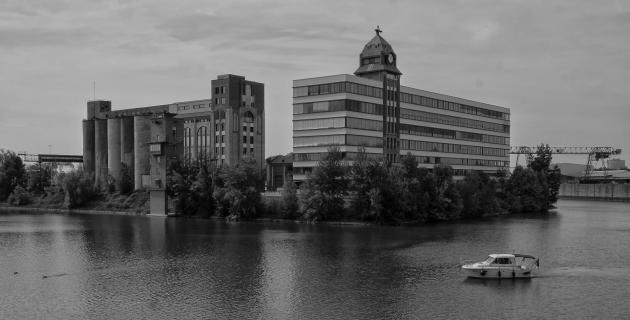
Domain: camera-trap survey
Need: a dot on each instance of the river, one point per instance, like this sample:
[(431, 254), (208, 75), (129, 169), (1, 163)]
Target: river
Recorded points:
[(55, 266)]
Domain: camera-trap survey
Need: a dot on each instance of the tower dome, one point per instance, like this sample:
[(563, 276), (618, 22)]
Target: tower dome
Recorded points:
[(377, 57)]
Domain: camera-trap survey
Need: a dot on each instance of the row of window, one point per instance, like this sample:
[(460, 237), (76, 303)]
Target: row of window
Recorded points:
[(339, 139), (462, 161), (452, 148), (375, 125), (453, 121), (317, 156), (452, 134), (349, 87), (342, 122), (338, 105), (251, 139), (194, 106), (452, 106), (371, 108), (245, 89), (456, 172), (337, 87)]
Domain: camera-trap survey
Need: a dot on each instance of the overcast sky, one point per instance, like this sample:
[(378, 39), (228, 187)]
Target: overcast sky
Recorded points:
[(562, 67)]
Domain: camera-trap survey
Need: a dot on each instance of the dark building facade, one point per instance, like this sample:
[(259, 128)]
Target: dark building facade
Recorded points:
[(223, 130)]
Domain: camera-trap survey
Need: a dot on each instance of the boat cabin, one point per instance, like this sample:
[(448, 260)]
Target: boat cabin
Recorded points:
[(501, 259)]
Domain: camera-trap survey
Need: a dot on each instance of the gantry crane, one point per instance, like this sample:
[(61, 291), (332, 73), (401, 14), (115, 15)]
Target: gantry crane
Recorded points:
[(594, 154)]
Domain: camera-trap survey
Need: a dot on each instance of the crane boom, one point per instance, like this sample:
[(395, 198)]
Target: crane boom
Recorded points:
[(594, 154), (608, 151)]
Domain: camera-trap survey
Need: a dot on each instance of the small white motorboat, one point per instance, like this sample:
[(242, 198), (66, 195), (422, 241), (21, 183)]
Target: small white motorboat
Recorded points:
[(503, 266)]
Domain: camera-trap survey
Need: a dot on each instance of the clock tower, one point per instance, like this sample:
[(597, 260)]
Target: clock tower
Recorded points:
[(378, 62)]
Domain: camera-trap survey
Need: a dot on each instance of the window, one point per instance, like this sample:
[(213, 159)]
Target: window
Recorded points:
[(187, 143), (251, 140), (203, 142), (244, 139), (248, 117)]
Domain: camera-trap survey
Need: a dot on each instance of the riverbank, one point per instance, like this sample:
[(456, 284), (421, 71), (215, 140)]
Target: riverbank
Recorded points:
[(54, 200)]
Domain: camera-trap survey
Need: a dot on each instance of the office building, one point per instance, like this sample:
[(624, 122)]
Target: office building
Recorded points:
[(372, 110)]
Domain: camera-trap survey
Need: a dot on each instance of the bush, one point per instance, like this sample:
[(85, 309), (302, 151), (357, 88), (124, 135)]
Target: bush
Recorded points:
[(79, 189), (19, 197)]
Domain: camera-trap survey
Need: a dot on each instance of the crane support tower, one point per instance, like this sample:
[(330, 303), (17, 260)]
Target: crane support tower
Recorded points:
[(594, 153)]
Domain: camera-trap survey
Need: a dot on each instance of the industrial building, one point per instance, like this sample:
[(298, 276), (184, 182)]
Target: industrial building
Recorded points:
[(223, 130), (372, 110)]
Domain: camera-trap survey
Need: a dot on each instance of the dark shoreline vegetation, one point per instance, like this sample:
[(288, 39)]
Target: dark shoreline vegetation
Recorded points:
[(367, 190)]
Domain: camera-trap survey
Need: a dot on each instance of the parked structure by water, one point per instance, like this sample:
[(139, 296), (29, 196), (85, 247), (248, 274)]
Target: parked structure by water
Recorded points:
[(372, 109)]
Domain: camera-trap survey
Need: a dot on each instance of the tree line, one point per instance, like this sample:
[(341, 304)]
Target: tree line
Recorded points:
[(371, 190), (365, 190)]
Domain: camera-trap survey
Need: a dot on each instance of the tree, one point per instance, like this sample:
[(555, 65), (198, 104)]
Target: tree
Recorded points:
[(526, 191), (125, 183), (290, 207), (361, 183), (541, 163), (202, 190), (79, 188), (323, 194), (179, 186), (479, 195), (38, 177), (12, 173), (238, 190)]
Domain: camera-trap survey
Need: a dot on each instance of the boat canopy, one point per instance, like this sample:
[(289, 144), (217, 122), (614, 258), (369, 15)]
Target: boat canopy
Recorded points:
[(525, 256)]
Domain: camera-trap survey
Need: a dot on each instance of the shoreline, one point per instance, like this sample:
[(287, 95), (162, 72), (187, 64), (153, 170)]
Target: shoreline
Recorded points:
[(4, 207)]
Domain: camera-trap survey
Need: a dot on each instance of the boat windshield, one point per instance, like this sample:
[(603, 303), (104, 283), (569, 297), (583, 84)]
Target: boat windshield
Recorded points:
[(489, 260)]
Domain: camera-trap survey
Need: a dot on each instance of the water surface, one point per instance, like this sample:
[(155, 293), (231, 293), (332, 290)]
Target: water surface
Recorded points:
[(127, 267)]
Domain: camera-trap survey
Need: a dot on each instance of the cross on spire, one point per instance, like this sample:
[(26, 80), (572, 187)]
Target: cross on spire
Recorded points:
[(378, 30)]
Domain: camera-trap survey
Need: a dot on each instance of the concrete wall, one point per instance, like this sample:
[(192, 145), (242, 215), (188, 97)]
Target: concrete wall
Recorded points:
[(141, 138), (113, 147), (126, 142), (88, 146), (100, 152), (608, 191)]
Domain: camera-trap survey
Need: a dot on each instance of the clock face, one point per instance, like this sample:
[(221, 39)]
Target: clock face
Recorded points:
[(390, 58)]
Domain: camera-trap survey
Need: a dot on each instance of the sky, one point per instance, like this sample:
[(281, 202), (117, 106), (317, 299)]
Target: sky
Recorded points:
[(562, 67)]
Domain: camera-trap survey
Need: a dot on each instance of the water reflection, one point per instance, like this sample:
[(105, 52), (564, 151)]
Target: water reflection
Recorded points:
[(139, 267)]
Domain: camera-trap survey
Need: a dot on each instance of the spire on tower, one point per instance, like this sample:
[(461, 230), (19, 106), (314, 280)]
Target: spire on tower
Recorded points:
[(378, 30)]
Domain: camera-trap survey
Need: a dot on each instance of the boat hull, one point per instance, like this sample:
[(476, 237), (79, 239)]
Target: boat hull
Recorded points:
[(497, 273)]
